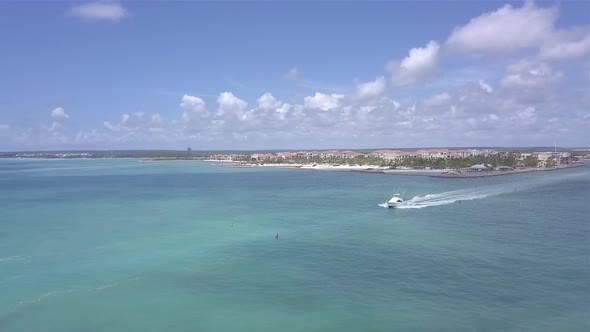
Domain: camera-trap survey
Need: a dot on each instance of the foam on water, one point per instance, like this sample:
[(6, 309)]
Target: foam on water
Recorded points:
[(449, 197)]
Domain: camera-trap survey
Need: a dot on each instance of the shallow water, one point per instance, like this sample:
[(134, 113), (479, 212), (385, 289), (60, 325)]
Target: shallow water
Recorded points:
[(117, 245)]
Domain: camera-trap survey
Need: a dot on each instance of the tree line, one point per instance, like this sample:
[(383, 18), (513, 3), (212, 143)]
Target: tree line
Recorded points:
[(433, 163)]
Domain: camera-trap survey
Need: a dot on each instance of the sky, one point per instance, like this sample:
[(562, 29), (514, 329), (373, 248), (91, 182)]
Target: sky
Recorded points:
[(293, 75)]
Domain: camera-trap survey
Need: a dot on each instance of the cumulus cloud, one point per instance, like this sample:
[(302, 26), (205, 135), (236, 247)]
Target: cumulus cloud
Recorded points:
[(322, 101), (292, 74), (228, 103), (506, 29), (371, 89), (268, 102), (98, 11), (192, 107), (420, 65), (451, 116), (59, 113), (283, 110)]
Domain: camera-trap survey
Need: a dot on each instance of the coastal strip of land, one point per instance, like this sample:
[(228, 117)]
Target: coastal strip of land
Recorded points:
[(439, 173), (443, 163)]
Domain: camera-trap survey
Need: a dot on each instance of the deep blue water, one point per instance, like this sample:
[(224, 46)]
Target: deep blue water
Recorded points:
[(118, 245)]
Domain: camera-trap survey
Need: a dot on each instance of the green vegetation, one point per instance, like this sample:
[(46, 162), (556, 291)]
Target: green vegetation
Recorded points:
[(531, 161), (440, 163)]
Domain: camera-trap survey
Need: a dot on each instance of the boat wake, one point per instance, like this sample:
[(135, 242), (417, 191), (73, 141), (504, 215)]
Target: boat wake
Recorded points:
[(449, 197), (458, 196)]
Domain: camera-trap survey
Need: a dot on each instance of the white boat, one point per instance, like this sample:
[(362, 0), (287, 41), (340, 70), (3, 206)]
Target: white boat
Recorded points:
[(395, 201)]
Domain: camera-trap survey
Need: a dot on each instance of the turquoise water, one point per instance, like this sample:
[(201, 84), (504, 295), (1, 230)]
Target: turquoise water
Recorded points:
[(117, 245)]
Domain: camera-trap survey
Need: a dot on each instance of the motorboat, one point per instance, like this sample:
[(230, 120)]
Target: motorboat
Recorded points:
[(395, 201)]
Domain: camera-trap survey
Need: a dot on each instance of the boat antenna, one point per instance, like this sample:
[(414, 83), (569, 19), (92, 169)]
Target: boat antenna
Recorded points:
[(404, 194)]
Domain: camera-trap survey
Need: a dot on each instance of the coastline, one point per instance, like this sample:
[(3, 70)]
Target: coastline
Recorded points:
[(438, 173), (168, 160), (464, 175)]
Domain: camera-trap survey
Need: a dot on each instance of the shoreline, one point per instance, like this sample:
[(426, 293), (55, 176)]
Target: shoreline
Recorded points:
[(464, 175), (437, 173), (168, 161)]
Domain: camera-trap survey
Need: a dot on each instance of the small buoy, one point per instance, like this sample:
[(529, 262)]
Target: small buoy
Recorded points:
[(277, 237)]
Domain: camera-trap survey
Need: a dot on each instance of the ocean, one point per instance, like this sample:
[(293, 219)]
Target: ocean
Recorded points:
[(119, 245)]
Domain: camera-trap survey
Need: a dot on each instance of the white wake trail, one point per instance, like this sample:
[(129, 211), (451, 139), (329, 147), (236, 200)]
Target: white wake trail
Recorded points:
[(419, 202), (456, 196)]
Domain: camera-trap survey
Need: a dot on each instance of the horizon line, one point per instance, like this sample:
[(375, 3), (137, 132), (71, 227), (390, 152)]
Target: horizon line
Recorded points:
[(303, 149)]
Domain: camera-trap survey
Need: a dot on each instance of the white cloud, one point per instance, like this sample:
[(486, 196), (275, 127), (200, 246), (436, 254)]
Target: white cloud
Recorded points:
[(564, 47), (529, 74), (282, 111), (192, 107), (437, 100), (228, 103), (322, 101), (485, 87), (502, 117), (54, 133), (420, 65), (134, 122), (193, 103), (97, 11), (292, 74), (371, 89), (157, 120), (268, 102), (59, 113), (506, 29)]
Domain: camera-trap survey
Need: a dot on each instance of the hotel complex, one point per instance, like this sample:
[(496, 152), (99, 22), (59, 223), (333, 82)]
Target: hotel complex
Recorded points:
[(394, 155)]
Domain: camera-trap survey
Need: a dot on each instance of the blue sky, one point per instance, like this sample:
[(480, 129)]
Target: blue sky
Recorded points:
[(262, 75)]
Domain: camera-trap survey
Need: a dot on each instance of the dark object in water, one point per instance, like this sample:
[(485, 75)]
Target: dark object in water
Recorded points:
[(277, 237)]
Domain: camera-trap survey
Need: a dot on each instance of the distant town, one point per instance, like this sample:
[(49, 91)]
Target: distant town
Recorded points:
[(454, 161), (423, 157)]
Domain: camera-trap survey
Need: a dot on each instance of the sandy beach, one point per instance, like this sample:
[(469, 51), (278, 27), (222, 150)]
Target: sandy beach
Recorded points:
[(440, 173)]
